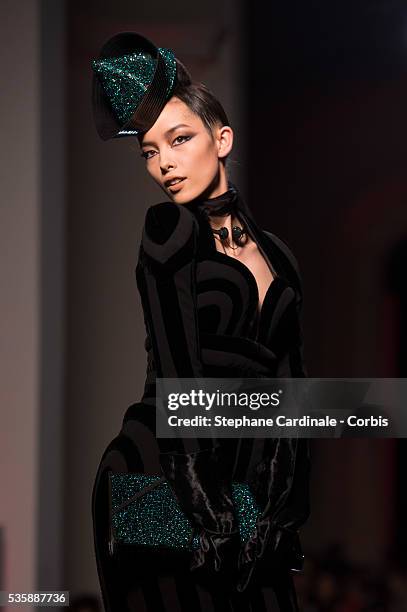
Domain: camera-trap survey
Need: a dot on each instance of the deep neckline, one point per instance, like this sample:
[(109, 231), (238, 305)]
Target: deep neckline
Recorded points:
[(252, 279), (245, 269)]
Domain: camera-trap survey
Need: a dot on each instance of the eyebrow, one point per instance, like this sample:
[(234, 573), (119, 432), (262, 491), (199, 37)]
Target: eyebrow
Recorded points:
[(148, 143)]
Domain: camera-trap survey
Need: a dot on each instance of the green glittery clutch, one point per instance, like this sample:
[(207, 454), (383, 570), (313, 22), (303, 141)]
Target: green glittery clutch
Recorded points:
[(145, 512)]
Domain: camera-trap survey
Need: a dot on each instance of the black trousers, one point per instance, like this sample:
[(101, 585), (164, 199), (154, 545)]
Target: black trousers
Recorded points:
[(135, 582)]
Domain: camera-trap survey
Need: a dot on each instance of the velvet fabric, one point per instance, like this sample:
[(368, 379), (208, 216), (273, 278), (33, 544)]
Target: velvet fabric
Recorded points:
[(202, 319)]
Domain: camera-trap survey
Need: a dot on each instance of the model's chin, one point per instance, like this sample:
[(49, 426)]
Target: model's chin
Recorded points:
[(186, 193), (181, 197)]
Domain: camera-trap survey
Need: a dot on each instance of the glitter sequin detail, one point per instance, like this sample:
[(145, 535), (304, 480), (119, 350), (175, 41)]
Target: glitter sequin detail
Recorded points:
[(126, 78), (246, 509), (155, 518)]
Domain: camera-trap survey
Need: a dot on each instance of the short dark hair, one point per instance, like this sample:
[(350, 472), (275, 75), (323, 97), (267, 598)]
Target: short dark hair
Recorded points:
[(199, 99)]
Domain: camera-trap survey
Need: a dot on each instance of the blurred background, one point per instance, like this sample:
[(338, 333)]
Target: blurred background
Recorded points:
[(316, 92)]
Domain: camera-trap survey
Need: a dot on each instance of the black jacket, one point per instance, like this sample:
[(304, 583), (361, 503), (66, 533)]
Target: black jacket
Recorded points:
[(201, 315)]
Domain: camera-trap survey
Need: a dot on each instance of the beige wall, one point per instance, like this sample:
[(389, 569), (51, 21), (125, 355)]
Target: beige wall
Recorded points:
[(20, 290), (32, 296)]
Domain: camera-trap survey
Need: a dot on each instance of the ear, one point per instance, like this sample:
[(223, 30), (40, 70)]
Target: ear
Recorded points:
[(224, 139)]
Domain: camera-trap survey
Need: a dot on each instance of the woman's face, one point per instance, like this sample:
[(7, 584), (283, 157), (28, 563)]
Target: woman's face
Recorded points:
[(178, 146)]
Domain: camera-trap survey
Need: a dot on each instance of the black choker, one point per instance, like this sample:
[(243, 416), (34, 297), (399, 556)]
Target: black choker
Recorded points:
[(220, 206)]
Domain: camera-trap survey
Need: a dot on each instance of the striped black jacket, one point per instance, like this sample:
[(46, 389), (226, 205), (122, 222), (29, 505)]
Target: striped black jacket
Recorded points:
[(202, 320)]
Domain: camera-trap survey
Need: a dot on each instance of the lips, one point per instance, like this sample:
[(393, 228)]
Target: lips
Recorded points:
[(168, 182)]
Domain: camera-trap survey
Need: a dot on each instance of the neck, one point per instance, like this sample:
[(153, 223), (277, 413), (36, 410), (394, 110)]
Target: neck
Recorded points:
[(213, 208), (218, 208), (221, 211), (222, 185)]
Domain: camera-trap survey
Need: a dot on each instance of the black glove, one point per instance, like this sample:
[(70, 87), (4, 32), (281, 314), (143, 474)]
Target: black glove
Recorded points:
[(272, 548), (280, 486), (201, 483)]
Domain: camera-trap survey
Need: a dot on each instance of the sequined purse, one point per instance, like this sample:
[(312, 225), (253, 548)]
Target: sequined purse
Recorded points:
[(144, 512)]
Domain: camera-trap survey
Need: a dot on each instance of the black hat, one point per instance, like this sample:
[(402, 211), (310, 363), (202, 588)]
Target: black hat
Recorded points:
[(132, 81)]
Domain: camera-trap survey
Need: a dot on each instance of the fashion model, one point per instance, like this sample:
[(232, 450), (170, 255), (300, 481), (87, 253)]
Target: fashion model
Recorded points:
[(221, 298)]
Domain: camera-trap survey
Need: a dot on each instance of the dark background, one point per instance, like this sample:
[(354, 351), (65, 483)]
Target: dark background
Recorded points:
[(327, 166)]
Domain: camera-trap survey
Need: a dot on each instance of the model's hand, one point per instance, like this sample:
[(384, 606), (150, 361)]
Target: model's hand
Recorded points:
[(202, 486), (217, 557), (279, 484), (272, 547)]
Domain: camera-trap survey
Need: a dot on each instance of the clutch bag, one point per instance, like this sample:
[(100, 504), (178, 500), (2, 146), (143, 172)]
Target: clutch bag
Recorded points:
[(145, 512)]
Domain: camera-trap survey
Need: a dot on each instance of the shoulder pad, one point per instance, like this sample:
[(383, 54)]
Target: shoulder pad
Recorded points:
[(168, 229)]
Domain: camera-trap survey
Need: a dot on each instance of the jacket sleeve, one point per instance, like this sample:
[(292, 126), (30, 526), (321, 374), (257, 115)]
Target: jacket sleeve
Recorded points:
[(166, 278), (293, 363), (293, 509)]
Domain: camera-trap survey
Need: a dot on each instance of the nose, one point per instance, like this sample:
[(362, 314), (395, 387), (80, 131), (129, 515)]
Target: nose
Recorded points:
[(166, 162)]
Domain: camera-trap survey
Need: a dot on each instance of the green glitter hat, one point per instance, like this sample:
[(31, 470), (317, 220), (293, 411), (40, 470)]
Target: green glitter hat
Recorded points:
[(132, 82)]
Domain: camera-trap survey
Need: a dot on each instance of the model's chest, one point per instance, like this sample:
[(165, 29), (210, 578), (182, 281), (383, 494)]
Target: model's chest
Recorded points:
[(254, 258), (228, 299)]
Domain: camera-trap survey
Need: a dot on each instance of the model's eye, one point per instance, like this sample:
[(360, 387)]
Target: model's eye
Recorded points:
[(183, 139), (177, 141), (146, 154)]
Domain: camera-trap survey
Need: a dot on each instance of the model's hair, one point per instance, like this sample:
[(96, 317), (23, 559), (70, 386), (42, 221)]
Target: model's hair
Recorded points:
[(199, 99)]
